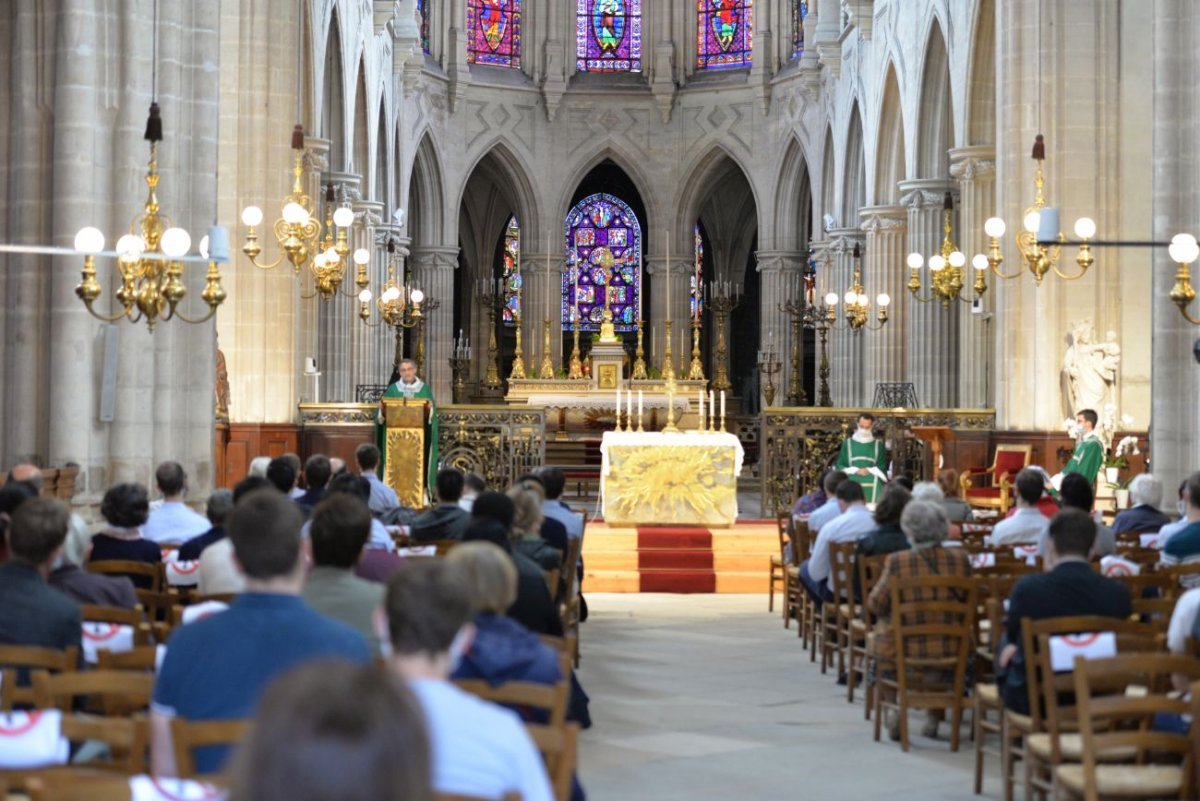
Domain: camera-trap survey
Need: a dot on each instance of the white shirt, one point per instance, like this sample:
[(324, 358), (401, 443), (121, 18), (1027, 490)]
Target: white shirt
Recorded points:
[(1027, 526), (823, 514), (1183, 620), (1170, 530), (466, 503), (572, 521), (850, 526), (479, 748), (173, 521), (218, 574)]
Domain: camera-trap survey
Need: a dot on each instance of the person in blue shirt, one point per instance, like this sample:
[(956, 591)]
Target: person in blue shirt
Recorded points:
[(220, 504), (216, 668), (173, 521), (383, 497)]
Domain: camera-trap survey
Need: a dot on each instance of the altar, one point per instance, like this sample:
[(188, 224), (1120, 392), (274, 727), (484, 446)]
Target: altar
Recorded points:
[(686, 478)]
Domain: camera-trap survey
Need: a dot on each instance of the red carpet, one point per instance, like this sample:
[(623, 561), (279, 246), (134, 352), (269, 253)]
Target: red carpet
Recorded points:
[(675, 560)]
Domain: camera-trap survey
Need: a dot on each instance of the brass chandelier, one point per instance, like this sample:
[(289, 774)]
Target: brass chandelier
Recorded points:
[(947, 269), (399, 307), (856, 304)]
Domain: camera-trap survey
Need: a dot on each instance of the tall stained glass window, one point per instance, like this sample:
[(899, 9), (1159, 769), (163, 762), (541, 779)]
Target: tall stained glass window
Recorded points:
[(608, 35), (799, 13), (495, 32), (604, 249), (724, 33), (423, 15), (696, 295), (512, 278)]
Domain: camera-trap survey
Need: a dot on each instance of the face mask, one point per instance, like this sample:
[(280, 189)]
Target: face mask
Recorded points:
[(1182, 507)]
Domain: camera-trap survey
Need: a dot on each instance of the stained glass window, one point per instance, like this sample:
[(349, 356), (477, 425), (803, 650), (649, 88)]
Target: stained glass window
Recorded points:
[(604, 250), (423, 14), (512, 278), (799, 12), (608, 35), (724, 33), (495, 32), (696, 295)]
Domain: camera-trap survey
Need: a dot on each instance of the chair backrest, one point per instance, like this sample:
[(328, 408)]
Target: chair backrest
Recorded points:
[(1184, 576), (15, 660), (870, 568), (558, 748), (188, 735), (932, 624), (1010, 460), (111, 692), (783, 525), (1155, 612), (1041, 682), (565, 648), (131, 567), (142, 657), (88, 787), (1111, 717), (1148, 585), (548, 699), (842, 556)]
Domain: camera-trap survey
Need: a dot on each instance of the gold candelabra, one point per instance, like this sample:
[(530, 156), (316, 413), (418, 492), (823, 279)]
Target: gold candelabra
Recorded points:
[(639, 363), (696, 368), (768, 367), (723, 298), (546, 370), (399, 307), (668, 365), (492, 297), (150, 258), (794, 307), (518, 365), (857, 305)]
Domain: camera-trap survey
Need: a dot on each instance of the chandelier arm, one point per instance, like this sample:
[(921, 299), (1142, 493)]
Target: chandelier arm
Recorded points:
[(1009, 276), (1064, 276), (270, 266), (104, 318), (309, 297), (1188, 317), (212, 310)]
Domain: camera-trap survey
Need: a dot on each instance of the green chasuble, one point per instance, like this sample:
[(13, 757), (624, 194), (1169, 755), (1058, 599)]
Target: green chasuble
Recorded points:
[(855, 455), (1087, 458), (421, 391)]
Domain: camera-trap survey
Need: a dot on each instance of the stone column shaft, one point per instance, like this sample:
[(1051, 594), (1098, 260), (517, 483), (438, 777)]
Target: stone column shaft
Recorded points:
[(779, 275), (932, 329), (975, 169), (885, 351), (433, 272), (535, 308), (845, 346)]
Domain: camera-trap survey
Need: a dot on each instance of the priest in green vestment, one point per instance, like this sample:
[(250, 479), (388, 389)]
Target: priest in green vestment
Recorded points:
[(410, 386), (864, 458), (1089, 451)]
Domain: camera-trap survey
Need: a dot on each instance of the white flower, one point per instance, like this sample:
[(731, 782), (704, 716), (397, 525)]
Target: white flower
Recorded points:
[(1127, 445), (1127, 420)]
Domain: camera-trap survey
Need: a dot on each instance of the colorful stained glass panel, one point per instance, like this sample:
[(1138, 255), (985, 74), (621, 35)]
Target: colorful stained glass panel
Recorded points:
[(494, 31), (512, 279), (423, 14), (610, 261), (608, 35), (799, 13), (696, 293), (724, 33)]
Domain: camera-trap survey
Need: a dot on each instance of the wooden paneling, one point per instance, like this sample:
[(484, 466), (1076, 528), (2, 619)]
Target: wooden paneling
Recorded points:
[(335, 439), (246, 441)]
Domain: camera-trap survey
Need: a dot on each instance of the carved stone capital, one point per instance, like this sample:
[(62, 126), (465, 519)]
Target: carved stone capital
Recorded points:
[(974, 162), (883, 218), (925, 193)]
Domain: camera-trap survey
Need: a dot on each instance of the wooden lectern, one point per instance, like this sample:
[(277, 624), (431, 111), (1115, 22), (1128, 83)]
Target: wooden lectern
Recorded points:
[(935, 436), (404, 439)]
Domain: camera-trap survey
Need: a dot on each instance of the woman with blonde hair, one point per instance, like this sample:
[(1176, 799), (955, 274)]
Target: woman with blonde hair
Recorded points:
[(527, 499)]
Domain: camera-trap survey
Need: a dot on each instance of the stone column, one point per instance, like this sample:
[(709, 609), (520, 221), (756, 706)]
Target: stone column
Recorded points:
[(975, 169), (534, 299), (1175, 394), (780, 279), (828, 29), (932, 329), (845, 346), (364, 344), (334, 314), (656, 312), (433, 272), (380, 340), (885, 350)]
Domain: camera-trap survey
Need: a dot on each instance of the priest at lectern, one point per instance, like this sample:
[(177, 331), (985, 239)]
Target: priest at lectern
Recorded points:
[(411, 387)]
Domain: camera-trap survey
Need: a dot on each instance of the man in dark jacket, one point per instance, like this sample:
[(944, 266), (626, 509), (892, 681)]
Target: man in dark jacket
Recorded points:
[(32, 612), (1145, 492), (447, 520)]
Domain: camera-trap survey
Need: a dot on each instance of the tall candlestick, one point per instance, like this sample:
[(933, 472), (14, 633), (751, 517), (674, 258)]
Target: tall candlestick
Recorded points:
[(712, 410), (722, 410), (629, 410), (547, 276), (639, 410), (618, 408), (641, 282), (667, 273), (701, 415)]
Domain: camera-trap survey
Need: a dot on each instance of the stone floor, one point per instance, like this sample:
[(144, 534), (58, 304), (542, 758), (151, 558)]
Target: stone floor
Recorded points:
[(698, 697)]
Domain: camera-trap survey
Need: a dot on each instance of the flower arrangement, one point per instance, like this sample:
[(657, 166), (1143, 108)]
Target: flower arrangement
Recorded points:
[(1128, 446)]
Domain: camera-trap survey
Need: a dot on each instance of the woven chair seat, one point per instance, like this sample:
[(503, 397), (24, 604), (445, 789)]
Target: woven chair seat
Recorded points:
[(1125, 781)]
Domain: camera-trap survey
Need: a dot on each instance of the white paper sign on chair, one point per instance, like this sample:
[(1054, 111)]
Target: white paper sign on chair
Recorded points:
[(1114, 566), (979, 560), (1091, 645), (32, 740), (97, 636), (1026, 552), (183, 574), (149, 788)]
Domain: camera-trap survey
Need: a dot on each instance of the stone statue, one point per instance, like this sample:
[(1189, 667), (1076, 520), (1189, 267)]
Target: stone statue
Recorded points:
[(221, 388), (1090, 368)]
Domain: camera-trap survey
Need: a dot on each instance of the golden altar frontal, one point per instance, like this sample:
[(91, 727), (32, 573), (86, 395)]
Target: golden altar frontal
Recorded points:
[(688, 478), (404, 436)]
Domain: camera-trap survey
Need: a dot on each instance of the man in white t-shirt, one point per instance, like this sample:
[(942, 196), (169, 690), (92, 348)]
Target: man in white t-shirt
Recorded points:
[(1027, 526), (173, 521), (478, 748)]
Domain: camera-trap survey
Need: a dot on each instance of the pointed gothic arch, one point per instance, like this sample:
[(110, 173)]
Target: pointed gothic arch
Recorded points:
[(890, 150), (935, 130)]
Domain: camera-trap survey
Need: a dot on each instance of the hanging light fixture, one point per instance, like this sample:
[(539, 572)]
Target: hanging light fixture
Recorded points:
[(399, 306), (947, 268), (151, 255), (856, 304)]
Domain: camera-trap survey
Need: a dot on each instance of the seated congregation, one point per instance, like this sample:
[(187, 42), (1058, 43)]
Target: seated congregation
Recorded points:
[(1062, 641), (305, 637)]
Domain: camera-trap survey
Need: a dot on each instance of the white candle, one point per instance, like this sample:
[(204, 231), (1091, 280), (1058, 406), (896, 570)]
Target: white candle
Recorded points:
[(547, 276), (712, 408), (629, 407), (667, 273), (701, 410), (618, 407), (639, 408), (722, 404)]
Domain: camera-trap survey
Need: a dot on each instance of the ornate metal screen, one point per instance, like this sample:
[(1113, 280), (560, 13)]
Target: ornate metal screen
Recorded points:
[(798, 445), (497, 442)]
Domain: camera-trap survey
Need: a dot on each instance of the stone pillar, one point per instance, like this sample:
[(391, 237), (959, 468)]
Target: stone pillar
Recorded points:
[(334, 314), (885, 350), (364, 344), (975, 169), (845, 346), (828, 30), (932, 329), (656, 312), (379, 341), (433, 272), (1175, 394), (535, 308), (780, 279)]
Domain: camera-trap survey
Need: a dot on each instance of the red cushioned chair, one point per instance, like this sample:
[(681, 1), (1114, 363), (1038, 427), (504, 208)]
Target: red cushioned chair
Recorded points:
[(995, 488)]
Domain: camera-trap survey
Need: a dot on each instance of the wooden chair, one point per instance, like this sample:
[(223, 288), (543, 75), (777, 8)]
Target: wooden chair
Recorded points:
[(1185, 575), (1112, 719), (143, 633), (110, 692), (997, 482), (777, 577), (985, 697), (919, 681), (558, 747), (188, 735), (92, 788), (842, 558), (1053, 741), (793, 590), (549, 700), (127, 740), (569, 607), (142, 657), (132, 568), (15, 659), (870, 568)]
